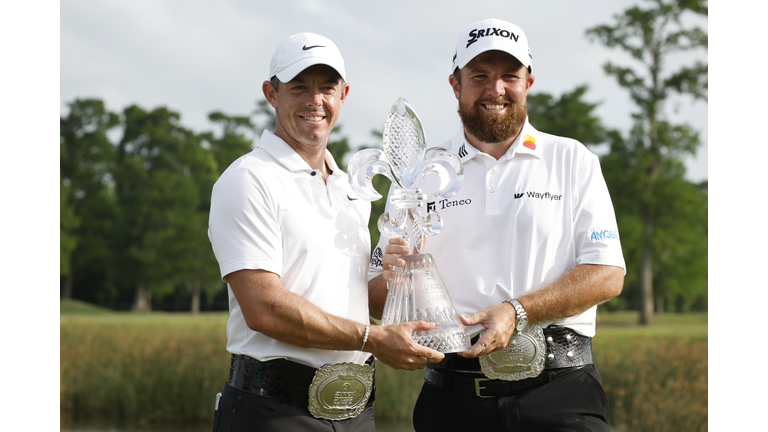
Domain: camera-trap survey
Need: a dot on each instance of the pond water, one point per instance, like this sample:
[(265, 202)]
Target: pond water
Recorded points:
[(70, 423)]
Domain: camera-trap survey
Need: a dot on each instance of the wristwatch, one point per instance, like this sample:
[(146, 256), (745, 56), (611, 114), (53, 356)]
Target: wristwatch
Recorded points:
[(522, 317)]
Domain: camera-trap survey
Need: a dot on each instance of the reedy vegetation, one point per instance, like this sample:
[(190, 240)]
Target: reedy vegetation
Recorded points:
[(169, 367)]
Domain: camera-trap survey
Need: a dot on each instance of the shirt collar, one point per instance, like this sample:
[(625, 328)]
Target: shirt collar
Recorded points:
[(459, 145), (288, 157), (526, 143)]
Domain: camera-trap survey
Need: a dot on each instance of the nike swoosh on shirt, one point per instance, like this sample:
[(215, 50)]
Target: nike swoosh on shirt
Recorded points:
[(350, 198), (313, 46)]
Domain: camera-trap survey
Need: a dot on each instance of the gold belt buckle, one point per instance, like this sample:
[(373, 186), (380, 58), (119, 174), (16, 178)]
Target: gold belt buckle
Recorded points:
[(522, 358), (340, 391), (478, 388)]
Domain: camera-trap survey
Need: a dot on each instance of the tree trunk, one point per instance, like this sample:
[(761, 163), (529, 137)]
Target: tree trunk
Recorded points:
[(646, 269), (68, 286), (646, 276), (143, 300), (196, 297), (659, 303)]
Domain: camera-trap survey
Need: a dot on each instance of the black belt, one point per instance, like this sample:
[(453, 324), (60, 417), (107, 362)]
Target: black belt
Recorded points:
[(281, 380), (479, 385), (566, 352)]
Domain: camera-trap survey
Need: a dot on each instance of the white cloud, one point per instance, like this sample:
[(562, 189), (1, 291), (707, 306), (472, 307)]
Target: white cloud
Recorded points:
[(198, 56)]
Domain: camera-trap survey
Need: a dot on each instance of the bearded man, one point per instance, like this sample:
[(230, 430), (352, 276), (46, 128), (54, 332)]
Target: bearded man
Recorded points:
[(530, 247)]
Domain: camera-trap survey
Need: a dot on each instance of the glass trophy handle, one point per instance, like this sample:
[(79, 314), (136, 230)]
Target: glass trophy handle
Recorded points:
[(417, 291)]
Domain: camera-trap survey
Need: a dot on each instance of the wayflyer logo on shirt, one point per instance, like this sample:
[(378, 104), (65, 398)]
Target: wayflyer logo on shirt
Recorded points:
[(544, 196)]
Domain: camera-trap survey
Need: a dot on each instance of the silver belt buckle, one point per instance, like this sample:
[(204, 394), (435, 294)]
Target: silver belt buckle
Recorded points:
[(522, 358), (340, 391)]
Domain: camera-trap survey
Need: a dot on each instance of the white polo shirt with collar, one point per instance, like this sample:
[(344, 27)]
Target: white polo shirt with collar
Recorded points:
[(520, 222), (271, 211)]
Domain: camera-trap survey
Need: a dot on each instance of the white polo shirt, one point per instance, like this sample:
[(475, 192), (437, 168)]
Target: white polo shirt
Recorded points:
[(271, 211), (520, 222)]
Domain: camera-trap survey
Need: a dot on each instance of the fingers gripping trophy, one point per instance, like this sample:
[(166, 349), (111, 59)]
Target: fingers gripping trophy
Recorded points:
[(417, 291)]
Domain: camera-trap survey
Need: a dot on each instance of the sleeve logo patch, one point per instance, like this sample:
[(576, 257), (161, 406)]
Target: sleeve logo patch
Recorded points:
[(600, 235)]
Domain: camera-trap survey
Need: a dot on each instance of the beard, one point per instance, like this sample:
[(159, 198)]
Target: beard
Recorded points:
[(493, 128)]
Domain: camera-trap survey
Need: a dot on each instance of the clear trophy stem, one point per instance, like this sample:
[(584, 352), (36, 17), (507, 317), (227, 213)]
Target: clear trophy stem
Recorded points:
[(416, 234), (420, 295), (416, 292)]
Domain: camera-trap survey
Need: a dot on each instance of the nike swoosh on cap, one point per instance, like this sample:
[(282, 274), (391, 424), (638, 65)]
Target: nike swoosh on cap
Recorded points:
[(313, 46), (350, 198)]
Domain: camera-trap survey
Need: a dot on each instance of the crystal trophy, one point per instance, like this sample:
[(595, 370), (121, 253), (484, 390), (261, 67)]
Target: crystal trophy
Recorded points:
[(417, 291)]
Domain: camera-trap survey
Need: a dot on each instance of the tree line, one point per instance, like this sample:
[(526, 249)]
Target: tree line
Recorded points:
[(134, 210)]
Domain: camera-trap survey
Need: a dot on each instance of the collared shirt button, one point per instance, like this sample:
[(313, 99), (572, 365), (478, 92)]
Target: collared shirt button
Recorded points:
[(491, 190), (492, 171)]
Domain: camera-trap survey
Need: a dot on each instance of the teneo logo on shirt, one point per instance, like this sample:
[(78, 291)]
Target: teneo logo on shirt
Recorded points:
[(478, 33), (599, 235), (445, 203)]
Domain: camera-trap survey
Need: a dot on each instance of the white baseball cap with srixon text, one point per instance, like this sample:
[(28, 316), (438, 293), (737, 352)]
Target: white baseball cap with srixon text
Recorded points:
[(492, 34), (301, 51)]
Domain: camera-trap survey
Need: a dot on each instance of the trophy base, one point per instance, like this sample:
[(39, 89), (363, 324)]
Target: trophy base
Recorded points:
[(418, 293), (445, 343)]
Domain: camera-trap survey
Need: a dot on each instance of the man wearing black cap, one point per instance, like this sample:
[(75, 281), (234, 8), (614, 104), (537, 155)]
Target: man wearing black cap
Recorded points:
[(529, 248), (292, 243)]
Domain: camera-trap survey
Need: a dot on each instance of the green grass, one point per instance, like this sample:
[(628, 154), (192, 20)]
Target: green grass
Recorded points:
[(631, 318), (145, 366), (77, 307), (169, 366), (625, 324)]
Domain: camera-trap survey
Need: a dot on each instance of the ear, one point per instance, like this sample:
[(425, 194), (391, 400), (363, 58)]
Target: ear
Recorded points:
[(269, 93), (344, 93), (531, 78), (455, 84)]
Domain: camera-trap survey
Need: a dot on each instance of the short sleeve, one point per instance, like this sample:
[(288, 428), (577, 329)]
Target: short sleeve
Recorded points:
[(244, 223), (595, 229)]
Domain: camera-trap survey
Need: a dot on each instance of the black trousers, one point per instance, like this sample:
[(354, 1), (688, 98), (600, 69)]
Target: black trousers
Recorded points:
[(242, 411), (572, 402)]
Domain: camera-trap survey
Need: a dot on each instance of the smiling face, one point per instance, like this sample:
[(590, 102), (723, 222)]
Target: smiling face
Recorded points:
[(492, 96), (307, 107)]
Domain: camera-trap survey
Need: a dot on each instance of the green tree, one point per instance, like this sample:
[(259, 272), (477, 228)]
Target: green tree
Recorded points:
[(681, 279), (679, 237), (163, 177), (68, 223), (225, 148), (568, 116), (233, 142), (86, 160), (198, 271), (266, 118), (652, 36)]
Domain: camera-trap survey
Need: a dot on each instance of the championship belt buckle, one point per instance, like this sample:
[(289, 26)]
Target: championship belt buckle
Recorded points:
[(340, 391), (522, 358)]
